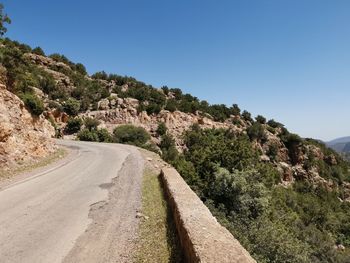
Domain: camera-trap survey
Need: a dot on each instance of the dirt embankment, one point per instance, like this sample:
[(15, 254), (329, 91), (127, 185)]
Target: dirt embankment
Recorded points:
[(23, 138)]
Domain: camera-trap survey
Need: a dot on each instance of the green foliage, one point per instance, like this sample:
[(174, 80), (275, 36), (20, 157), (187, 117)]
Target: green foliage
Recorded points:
[(33, 103), (131, 134), (88, 92), (270, 129), (87, 135), (273, 151), (236, 110), (80, 68), (91, 123), (100, 75), (238, 196), (256, 132), (162, 129), (219, 112), (95, 135), (171, 105), (274, 124), (165, 90), (46, 82), (275, 224), (260, 119), (4, 19), (73, 125), (104, 136), (247, 116), (38, 51), (167, 146), (61, 58), (338, 173), (153, 108), (71, 106), (291, 139)]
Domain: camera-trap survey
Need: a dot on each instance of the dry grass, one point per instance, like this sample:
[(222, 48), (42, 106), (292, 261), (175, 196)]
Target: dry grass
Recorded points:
[(28, 167), (157, 241)]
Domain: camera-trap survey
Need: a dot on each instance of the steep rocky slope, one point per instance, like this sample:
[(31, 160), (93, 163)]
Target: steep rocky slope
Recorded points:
[(22, 137), (67, 91)]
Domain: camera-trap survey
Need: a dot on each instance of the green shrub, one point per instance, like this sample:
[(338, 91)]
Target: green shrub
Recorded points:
[(247, 116), (104, 93), (270, 129), (235, 110), (91, 123), (171, 105), (33, 103), (167, 146), (4, 19), (273, 152), (86, 135), (73, 125), (55, 105), (274, 124), (256, 132), (234, 191), (61, 58), (71, 106), (291, 139), (80, 68), (47, 83), (165, 90), (131, 134), (104, 136), (219, 112), (162, 129), (38, 51), (260, 119), (153, 108), (100, 75)]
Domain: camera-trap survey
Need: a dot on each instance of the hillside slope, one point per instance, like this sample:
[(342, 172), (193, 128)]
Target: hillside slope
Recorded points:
[(22, 137), (340, 144), (287, 199)]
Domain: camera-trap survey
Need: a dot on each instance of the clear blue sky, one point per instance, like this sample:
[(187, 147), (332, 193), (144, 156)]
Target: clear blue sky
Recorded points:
[(288, 60)]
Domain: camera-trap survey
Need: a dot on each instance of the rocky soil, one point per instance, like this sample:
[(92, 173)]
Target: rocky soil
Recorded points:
[(22, 137)]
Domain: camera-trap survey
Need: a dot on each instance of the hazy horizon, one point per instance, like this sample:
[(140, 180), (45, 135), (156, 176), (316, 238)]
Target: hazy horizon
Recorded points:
[(287, 61)]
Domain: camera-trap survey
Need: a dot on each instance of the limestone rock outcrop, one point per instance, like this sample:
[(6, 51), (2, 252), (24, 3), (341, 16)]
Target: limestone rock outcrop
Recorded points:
[(22, 137)]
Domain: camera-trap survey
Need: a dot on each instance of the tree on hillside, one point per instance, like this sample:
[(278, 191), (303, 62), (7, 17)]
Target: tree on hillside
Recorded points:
[(260, 119), (4, 19), (38, 51), (235, 110)]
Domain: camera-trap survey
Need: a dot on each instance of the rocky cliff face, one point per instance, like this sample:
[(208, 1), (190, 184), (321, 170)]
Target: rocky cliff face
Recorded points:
[(117, 111), (22, 137)]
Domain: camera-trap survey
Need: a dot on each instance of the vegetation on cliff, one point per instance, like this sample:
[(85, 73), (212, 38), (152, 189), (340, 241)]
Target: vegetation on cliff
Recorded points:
[(302, 223)]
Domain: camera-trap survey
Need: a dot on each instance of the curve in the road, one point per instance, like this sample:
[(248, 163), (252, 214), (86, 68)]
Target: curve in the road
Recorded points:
[(51, 217)]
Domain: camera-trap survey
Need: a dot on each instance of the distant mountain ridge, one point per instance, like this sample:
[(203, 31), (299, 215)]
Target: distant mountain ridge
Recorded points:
[(340, 144)]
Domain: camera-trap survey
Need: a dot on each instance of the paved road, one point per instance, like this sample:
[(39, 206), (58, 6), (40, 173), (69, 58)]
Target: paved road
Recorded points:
[(82, 211)]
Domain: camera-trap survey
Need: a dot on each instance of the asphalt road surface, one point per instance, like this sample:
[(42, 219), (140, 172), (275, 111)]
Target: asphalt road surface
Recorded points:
[(80, 211)]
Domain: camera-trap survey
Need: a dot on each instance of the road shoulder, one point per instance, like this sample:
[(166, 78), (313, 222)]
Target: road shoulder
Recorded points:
[(60, 157), (157, 238)]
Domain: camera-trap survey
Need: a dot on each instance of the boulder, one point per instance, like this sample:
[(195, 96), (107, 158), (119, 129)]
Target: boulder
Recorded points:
[(331, 160), (103, 104), (131, 102)]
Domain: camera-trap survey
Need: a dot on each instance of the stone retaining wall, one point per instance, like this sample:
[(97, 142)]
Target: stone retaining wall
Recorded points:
[(202, 238)]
